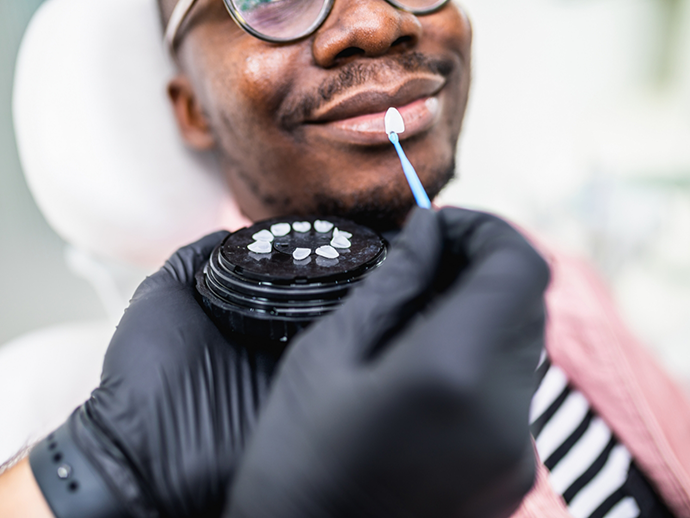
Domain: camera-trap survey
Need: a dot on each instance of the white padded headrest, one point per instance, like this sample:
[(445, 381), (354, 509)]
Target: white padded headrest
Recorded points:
[(97, 138)]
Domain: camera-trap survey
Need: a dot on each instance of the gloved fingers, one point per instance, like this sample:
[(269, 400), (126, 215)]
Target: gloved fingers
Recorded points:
[(386, 297), (472, 233), (180, 268), (495, 253), (497, 302)]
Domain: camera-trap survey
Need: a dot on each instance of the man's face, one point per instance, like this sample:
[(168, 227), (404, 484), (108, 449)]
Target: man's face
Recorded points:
[(299, 127)]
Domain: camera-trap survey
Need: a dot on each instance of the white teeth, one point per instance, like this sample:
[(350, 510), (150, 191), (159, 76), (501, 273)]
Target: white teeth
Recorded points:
[(432, 105), (264, 235), (340, 241), (260, 247), (328, 252), (322, 226), (301, 226), (301, 253), (338, 232), (394, 122), (280, 229)]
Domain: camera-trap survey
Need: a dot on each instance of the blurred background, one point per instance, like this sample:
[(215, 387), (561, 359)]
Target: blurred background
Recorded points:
[(36, 287), (578, 127)]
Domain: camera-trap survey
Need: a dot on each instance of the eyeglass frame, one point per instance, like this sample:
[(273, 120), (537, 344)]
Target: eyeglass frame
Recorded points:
[(182, 8)]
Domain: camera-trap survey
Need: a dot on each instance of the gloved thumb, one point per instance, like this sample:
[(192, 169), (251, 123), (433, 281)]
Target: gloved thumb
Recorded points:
[(385, 299)]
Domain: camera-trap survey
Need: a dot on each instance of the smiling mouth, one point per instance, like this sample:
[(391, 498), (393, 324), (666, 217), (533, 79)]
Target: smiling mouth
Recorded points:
[(357, 117)]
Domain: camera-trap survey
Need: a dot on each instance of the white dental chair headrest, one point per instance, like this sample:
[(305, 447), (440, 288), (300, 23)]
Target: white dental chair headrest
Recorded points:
[(97, 139)]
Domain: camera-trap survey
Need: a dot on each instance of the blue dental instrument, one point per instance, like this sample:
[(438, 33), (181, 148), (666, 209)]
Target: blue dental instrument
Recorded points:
[(394, 124)]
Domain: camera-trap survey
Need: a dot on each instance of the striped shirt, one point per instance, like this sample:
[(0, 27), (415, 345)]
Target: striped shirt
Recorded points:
[(593, 472)]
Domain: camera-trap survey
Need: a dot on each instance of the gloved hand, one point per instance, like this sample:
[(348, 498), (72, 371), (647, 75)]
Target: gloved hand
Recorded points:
[(161, 434), (412, 399)]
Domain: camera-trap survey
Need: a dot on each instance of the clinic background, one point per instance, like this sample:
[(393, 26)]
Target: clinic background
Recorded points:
[(578, 128)]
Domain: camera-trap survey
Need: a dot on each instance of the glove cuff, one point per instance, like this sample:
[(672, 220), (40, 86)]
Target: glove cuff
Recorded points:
[(70, 483)]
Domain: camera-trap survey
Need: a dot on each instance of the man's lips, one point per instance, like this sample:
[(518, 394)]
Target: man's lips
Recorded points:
[(358, 116), (370, 129), (372, 98)]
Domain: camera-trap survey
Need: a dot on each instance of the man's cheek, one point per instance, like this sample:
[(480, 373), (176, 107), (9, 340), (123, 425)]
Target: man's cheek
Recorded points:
[(450, 29), (264, 78)]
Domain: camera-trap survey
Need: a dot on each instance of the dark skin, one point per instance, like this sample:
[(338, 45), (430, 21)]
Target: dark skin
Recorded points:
[(275, 114), (254, 104)]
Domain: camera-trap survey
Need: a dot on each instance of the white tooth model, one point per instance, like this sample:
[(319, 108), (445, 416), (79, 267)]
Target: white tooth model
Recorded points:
[(301, 226), (281, 229), (263, 235), (301, 253), (260, 247), (394, 122), (322, 227), (328, 252)]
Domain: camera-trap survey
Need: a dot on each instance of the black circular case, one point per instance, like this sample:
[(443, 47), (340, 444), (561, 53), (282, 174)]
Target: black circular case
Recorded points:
[(273, 295)]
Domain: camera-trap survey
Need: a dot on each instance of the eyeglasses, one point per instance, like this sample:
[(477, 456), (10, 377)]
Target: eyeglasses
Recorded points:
[(282, 21)]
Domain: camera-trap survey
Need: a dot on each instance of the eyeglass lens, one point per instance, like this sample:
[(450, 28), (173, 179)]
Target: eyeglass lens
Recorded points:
[(280, 19), (285, 20)]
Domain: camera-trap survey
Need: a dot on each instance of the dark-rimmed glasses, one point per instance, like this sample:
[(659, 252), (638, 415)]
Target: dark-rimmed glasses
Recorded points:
[(282, 21)]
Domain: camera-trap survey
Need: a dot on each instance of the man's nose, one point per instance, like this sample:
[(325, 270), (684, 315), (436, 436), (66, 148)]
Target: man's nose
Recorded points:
[(364, 28)]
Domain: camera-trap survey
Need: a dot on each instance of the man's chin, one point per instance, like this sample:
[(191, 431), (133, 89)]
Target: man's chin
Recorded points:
[(378, 208), (379, 215)]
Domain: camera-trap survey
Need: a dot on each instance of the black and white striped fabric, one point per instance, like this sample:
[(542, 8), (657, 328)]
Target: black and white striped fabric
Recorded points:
[(594, 473)]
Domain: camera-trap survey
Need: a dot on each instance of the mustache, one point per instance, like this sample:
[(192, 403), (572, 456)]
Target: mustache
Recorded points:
[(357, 73)]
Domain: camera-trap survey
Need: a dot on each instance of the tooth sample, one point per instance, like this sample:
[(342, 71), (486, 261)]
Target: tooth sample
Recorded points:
[(328, 252), (301, 253), (393, 122), (340, 241), (263, 235), (322, 227), (301, 226), (338, 232), (260, 247), (280, 229)]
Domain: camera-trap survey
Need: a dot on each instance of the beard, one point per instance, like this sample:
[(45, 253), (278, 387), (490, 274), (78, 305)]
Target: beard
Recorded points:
[(379, 208), (382, 206)]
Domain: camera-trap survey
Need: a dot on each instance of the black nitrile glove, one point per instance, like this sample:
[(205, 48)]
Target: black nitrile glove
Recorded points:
[(412, 399), (161, 434)]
